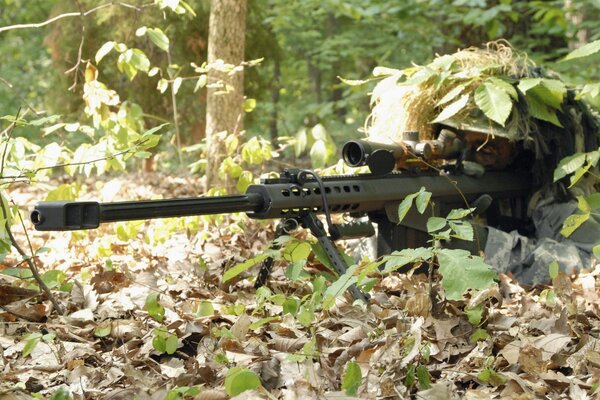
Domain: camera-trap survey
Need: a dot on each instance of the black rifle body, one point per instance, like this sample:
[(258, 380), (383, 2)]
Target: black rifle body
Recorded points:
[(278, 198)]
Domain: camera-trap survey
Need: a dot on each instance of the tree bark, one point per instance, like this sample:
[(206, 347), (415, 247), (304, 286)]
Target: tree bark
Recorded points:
[(224, 108)]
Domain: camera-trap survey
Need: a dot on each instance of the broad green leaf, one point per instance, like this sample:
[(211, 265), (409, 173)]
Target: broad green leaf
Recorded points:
[(596, 251), (263, 321), (540, 110), (452, 109), (338, 287), (159, 343), (141, 31), (296, 251), (352, 378), (163, 85), (451, 95), (176, 85), (404, 207), (423, 377), (158, 37), (593, 201), (384, 71), (423, 200), (295, 271), (244, 180), (318, 154), (239, 268), (462, 272), (435, 224), (459, 213), (31, 341), (479, 335), (171, 344), (568, 165), (552, 91), (398, 259), (583, 205), (249, 105), (205, 309), (572, 223), (239, 379), (462, 230), (154, 308), (584, 51), (495, 103), (291, 305), (353, 82), (553, 269), (305, 316), (139, 60), (505, 86), (104, 50), (202, 80), (475, 315), (528, 83), (491, 377)]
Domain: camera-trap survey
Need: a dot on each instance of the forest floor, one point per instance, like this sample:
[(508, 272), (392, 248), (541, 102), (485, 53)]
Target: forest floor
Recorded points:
[(146, 315)]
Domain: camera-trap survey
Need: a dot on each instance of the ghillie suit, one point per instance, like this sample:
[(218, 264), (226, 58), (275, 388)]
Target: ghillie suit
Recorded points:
[(495, 91), (502, 96)]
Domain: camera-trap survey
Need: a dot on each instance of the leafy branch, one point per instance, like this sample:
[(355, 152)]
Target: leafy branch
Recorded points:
[(29, 258)]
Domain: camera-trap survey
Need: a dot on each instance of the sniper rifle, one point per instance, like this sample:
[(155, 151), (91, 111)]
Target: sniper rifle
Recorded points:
[(297, 196)]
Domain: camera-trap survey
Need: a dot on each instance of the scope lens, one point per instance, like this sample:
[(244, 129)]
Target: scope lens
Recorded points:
[(353, 154)]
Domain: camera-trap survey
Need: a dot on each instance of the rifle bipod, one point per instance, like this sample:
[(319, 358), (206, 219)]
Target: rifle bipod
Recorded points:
[(310, 221)]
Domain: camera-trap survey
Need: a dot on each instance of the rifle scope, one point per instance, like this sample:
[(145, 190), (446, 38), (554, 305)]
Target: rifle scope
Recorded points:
[(381, 158)]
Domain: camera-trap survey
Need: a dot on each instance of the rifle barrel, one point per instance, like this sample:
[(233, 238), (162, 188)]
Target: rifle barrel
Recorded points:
[(73, 215)]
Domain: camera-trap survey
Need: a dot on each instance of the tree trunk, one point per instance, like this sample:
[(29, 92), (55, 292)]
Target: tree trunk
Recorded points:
[(224, 108), (276, 88)]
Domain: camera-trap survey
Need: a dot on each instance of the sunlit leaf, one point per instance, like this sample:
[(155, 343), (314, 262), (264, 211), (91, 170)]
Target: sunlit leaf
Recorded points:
[(584, 51), (154, 308), (104, 50), (452, 109), (495, 103), (239, 379), (159, 38)]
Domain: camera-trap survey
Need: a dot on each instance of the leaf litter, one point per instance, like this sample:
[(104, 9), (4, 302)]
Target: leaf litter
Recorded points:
[(410, 341)]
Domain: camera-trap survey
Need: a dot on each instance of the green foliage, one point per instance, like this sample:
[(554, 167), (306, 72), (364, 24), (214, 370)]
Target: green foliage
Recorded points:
[(182, 392), (462, 272), (239, 379), (32, 340), (154, 308), (352, 378), (163, 341)]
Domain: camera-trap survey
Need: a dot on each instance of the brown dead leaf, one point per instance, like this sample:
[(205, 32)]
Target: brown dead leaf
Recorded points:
[(30, 312), (72, 364), (531, 360), (563, 287), (419, 305), (109, 281), (10, 294), (287, 345)]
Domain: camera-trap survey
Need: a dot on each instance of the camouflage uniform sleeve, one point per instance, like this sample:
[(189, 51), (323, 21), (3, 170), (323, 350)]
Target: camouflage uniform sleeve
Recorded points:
[(529, 259)]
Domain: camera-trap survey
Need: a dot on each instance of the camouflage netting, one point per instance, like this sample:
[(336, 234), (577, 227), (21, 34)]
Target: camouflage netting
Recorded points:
[(413, 98)]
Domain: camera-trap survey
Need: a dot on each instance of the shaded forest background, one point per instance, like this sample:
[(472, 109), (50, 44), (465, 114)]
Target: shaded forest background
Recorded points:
[(305, 47)]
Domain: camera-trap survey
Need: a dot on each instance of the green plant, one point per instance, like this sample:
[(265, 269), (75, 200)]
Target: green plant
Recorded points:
[(163, 341)]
